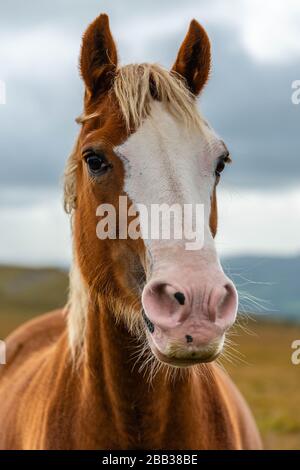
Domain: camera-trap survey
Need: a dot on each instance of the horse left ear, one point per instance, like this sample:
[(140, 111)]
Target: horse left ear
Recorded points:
[(193, 59), (98, 60)]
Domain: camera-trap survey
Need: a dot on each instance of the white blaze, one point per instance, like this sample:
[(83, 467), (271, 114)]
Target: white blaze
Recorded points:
[(166, 163)]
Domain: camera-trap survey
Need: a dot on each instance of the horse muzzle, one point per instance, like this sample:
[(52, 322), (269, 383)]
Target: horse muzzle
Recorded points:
[(187, 319)]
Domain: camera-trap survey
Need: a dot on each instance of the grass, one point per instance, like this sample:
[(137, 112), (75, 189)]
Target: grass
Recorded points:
[(264, 373), (269, 381)]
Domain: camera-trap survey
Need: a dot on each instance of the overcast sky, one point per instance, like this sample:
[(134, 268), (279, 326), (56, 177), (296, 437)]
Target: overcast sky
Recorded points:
[(256, 57)]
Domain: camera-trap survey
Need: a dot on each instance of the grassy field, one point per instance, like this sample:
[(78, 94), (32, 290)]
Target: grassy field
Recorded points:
[(269, 381), (262, 366)]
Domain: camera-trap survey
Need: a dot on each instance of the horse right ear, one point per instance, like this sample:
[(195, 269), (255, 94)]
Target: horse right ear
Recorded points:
[(193, 59), (98, 60)]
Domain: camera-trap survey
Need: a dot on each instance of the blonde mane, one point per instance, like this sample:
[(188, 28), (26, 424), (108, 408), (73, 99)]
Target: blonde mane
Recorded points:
[(135, 88), (136, 84)]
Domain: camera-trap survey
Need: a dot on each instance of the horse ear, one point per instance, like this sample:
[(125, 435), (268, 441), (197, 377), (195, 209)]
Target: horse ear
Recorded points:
[(98, 60), (193, 59)]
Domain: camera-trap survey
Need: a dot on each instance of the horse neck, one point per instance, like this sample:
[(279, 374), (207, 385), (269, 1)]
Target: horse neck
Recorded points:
[(140, 408)]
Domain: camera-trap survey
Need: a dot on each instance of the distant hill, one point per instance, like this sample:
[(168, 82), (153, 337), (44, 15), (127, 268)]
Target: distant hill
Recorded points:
[(26, 292), (32, 289), (267, 285), (274, 282)]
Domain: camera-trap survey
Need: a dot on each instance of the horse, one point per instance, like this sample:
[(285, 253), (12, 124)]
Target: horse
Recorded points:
[(130, 362)]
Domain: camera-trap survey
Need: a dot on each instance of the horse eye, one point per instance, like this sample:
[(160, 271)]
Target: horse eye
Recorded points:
[(94, 163), (97, 163), (221, 165)]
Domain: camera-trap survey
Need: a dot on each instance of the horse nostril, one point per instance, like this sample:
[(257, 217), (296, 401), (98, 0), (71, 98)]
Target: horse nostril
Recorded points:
[(189, 338), (179, 296), (148, 322), (162, 303)]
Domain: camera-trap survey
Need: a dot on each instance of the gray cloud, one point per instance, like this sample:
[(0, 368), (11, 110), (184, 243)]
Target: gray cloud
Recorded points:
[(247, 102)]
